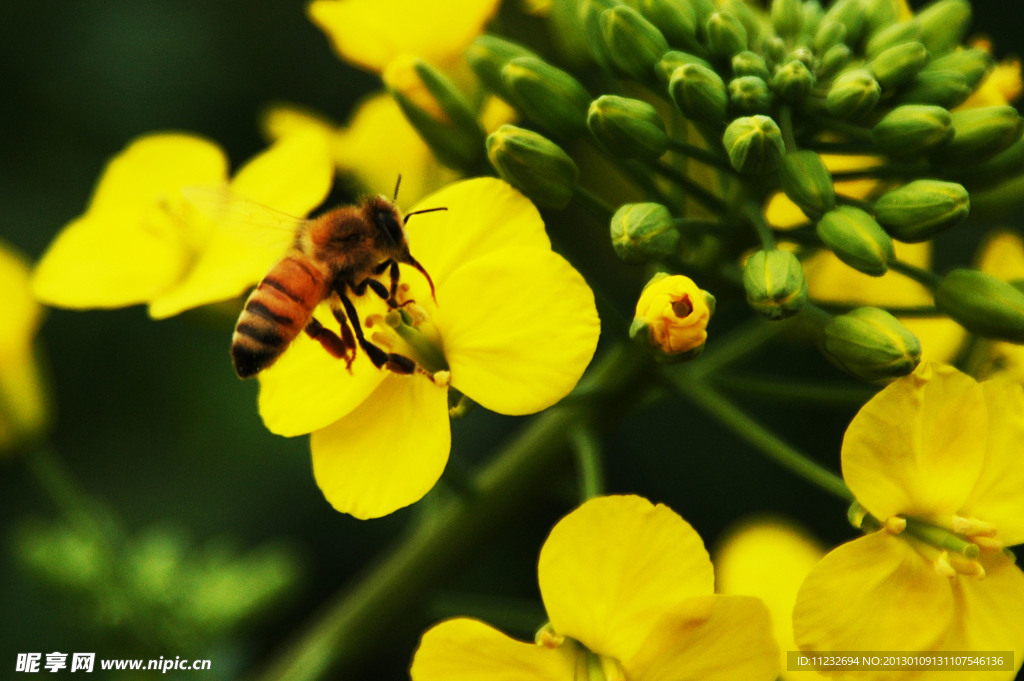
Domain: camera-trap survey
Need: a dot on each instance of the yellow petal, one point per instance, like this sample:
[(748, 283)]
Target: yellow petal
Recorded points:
[(990, 616), (519, 328), (484, 215), (131, 244), (281, 120), (716, 638), (292, 177), (469, 650), (308, 389), (611, 568), (768, 558), (22, 404), (998, 494), (1002, 256), (370, 33), (873, 593), (388, 452), (111, 262), (379, 144), (918, 445)]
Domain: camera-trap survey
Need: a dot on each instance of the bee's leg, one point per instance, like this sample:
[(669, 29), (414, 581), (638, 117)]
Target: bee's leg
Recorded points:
[(342, 348), (375, 286), (391, 266), (399, 364)]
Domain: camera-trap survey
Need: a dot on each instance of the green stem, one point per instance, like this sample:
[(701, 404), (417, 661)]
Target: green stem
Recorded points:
[(593, 204), (60, 485), (700, 154), (840, 148), (728, 414), (926, 278), (587, 449), (739, 343), (356, 617), (698, 224), (877, 172), (796, 390), (765, 233), (788, 133), (852, 131), (863, 204)]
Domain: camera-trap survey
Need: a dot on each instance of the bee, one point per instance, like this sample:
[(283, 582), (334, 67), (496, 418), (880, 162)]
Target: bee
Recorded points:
[(334, 256)]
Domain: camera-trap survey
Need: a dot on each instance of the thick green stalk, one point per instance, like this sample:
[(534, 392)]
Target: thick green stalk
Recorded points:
[(388, 588)]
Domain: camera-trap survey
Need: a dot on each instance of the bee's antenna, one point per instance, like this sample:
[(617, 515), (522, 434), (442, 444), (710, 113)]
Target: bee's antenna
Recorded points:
[(417, 212), (397, 183)]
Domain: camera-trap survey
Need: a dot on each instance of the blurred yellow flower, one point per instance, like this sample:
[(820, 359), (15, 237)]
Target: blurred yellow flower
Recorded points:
[(629, 590), (141, 241), (935, 457), (23, 411), (370, 33), (513, 328), (768, 558)]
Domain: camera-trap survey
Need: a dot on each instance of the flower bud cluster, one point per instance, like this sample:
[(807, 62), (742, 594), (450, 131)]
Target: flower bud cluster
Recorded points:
[(755, 103)]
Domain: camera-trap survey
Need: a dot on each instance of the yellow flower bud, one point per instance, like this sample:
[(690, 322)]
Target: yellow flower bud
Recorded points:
[(980, 133), (673, 59), (672, 316), (891, 36), (973, 63)]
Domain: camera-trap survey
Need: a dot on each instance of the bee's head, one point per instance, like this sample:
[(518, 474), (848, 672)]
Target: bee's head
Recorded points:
[(383, 214)]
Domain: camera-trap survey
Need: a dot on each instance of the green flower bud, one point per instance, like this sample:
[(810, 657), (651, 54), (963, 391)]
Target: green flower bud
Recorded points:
[(633, 44), (871, 344), (673, 59), (775, 283), (437, 110), (726, 35), (753, 21), (982, 304), (813, 14), (828, 35), (677, 21), (749, 63), (913, 128), (944, 24), (849, 14), (942, 88), (787, 17), (973, 63), (922, 208), (857, 239), (802, 54), (792, 81), (898, 64), (750, 94), (807, 183), (880, 14), (853, 94), (754, 144), (589, 12), (546, 95), (628, 127), (774, 49), (891, 36), (642, 232), (533, 164), (487, 56), (981, 133), (699, 93), (835, 60)]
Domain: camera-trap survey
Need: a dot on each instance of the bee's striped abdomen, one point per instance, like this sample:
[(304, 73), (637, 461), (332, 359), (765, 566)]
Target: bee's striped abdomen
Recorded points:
[(276, 312)]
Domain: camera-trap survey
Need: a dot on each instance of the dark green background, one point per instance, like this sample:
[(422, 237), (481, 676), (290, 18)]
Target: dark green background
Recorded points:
[(150, 416)]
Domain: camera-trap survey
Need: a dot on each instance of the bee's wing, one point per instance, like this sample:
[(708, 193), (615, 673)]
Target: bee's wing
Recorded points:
[(236, 218)]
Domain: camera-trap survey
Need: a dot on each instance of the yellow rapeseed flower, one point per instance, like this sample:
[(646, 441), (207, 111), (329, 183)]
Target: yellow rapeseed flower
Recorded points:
[(768, 558), (370, 33), (23, 411), (629, 591), (142, 241), (513, 328), (935, 457)]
